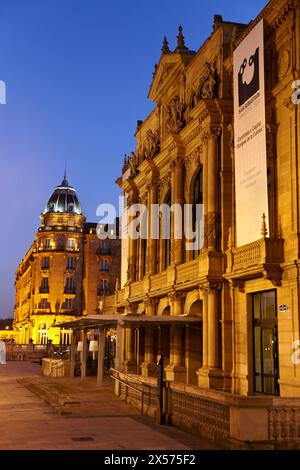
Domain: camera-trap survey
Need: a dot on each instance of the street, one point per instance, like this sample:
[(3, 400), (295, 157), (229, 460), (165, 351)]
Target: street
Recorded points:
[(96, 419)]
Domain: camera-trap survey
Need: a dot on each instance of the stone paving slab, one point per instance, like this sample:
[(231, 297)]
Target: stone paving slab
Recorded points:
[(96, 419)]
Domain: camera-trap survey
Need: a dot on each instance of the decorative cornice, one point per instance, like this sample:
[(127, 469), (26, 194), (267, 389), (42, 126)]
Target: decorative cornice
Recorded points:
[(192, 135), (172, 146), (280, 18), (205, 136)]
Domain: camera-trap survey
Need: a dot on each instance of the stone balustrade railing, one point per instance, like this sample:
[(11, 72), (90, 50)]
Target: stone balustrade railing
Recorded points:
[(188, 271), (137, 289), (158, 281)]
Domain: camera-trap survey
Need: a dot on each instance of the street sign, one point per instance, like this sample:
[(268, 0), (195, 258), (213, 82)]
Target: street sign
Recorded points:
[(283, 308)]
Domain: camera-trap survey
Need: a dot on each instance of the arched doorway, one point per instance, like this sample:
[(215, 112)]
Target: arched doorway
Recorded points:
[(163, 339), (194, 343)]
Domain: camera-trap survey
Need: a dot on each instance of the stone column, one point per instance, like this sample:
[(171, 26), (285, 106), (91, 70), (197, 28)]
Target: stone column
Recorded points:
[(141, 241), (119, 347), (178, 198), (150, 306), (178, 356), (148, 367), (210, 375), (213, 330), (176, 370), (211, 191), (73, 354), (165, 184), (205, 332), (84, 354), (130, 362), (152, 242), (101, 349), (119, 359), (132, 247)]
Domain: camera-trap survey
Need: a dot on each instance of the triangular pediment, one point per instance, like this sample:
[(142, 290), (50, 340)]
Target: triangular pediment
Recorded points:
[(168, 66)]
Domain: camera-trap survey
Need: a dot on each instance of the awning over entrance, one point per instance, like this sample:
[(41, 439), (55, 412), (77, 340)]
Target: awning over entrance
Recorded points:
[(92, 321), (129, 321), (136, 321)]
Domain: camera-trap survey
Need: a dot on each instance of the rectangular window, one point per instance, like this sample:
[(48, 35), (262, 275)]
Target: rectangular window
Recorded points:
[(104, 247), (69, 284), (45, 283), (65, 337), (70, 263), (47, 244), (45, 262), (104, 265), (44, 304), (71, 244), (43, 337), (68, 304), (102, 287)]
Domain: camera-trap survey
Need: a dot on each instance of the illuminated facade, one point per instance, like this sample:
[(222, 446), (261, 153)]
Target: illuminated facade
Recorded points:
[(67, 272), (246, 298)]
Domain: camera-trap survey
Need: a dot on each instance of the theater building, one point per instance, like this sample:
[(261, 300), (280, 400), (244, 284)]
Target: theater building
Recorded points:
[(68, 272), (225, 317)]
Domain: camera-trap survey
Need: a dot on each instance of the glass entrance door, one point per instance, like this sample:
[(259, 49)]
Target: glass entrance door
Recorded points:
[(265, 343)]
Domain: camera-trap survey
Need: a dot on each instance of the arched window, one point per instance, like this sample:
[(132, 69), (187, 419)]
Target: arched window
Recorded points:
[(197, 199)]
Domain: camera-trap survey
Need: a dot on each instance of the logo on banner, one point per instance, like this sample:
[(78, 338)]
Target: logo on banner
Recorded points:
[(248, 77)]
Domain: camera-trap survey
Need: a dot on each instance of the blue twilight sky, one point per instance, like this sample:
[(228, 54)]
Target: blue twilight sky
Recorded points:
[(77, 74)]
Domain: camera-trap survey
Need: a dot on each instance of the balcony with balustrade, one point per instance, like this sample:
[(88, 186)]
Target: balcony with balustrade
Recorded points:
[(206, 267), (261, 258)]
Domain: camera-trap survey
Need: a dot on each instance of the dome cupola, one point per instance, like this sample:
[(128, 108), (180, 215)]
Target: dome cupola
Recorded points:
[(63, 200)]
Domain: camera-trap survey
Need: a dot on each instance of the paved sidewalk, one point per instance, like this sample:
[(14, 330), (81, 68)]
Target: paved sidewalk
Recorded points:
[(82, 416)]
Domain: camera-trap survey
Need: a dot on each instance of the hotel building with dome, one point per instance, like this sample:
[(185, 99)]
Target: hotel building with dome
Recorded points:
[(68, 272)]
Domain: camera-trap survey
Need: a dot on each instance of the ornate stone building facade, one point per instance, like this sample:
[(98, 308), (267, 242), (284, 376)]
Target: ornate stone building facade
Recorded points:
[(246, 298), (67, 272)]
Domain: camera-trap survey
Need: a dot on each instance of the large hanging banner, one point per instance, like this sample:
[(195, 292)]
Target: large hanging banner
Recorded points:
[(251, 186)]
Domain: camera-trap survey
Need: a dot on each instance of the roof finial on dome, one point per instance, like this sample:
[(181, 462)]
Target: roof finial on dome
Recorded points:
[(65, 181)]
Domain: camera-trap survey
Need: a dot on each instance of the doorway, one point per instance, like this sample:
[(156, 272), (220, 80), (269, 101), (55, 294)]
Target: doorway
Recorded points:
[(265, 347)]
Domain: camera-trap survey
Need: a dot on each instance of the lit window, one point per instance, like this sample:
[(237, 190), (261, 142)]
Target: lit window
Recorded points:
[(105, 247), (104, 265), (71, 244), (69, 283), (45, 283), (103, 287), (68, 304), (70, 263), (44, 303), (47, 244), (45, 262)]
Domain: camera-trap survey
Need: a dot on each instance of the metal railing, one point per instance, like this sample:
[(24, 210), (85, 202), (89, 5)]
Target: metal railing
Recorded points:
[(121, 377)]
